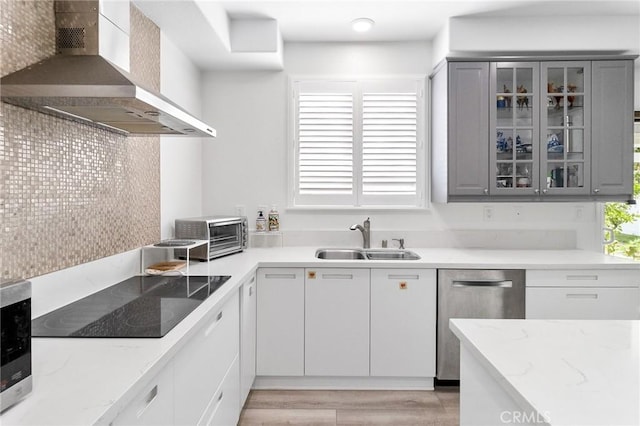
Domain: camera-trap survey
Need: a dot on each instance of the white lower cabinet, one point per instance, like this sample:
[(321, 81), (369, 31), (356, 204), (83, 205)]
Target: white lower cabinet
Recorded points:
[(223, 408), (583, 294), (248, 306), (346, 322), (403, 322), (201, 364), (582, 303), (280, 322), (336, 341), (153, 405)]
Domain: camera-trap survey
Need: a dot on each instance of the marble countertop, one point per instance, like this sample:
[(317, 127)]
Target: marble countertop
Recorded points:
[(89, 381), (572, 372)]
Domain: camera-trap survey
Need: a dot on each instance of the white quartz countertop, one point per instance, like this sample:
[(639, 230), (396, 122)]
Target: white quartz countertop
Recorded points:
[(578, 373), (452, 258), (86, 381)]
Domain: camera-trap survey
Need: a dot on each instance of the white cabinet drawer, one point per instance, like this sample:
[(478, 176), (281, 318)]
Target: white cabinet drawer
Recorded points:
[(582, 303), (583, 278), (224, 407), (153, 405), (201, 365)]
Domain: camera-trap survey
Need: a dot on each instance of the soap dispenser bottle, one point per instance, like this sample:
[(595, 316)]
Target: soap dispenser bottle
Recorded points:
[(261, 222), (274, 219)]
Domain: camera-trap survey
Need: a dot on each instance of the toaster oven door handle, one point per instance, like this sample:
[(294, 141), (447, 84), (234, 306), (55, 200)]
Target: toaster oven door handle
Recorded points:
[(228, 222)]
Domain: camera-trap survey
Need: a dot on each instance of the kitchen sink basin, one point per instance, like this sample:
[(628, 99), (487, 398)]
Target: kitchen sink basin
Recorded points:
[(348, 254), (391, 255), (358, 254)]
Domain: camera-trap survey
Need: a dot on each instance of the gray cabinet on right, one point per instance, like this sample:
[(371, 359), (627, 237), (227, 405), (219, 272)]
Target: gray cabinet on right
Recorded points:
[(612, 128), (555, 130)]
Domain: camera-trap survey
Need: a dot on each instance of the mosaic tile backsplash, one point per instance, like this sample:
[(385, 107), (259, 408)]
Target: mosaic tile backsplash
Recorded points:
[(71, 193)]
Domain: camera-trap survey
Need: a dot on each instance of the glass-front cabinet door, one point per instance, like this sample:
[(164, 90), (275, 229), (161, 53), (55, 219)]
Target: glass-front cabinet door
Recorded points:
[(565, 141), (514, 123)]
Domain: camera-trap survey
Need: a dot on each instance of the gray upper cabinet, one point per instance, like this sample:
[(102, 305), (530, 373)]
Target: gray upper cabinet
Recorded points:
[(459, 129), (612, 128), (532, 130), (469, 110)]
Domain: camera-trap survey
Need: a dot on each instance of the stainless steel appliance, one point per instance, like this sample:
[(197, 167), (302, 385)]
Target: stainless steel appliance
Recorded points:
[(15, 344), (81, 85), (141, 306), (226, 235), (473, 293)]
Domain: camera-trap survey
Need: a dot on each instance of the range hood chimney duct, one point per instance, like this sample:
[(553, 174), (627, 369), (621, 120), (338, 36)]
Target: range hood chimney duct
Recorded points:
[(81, 85)]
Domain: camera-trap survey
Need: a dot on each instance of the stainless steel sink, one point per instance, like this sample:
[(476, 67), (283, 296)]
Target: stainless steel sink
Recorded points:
[(391, 255), (348, 254), (358, 254)]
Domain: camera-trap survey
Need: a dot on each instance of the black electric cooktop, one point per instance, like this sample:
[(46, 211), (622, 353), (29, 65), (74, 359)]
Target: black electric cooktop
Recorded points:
[(141, 306)]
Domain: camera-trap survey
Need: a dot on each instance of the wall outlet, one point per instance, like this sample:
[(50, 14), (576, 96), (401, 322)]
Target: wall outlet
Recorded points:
[(488, 214), (518, 213), (579, 214)]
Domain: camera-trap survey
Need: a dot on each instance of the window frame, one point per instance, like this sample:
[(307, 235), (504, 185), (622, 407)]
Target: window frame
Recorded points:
[(358, 201)]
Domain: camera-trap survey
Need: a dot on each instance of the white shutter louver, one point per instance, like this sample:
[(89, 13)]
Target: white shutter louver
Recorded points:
[(389, 143), (325, 143)]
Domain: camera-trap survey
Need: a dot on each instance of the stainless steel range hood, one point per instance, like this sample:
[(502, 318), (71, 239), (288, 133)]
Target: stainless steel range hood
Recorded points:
[(81, 85)]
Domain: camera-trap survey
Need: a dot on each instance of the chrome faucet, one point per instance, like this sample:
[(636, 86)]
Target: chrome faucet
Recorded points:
[(366, 232)]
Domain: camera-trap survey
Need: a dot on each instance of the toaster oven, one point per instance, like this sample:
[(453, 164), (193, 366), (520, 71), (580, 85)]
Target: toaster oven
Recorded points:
[(226, 235), (15, 345)]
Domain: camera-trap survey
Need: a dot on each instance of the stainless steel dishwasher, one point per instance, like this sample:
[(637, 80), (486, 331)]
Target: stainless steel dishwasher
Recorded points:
[(473, 293)]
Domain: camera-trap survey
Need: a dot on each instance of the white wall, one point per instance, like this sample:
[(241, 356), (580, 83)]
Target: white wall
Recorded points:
[(247, 165), (180, 158), (544, 33), (440, 45)]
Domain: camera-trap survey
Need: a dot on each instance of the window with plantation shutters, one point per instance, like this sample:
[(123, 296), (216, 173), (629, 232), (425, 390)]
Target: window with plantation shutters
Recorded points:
[(358, 143)]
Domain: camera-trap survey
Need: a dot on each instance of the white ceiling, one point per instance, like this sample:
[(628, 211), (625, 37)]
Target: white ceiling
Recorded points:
[(329, 21)]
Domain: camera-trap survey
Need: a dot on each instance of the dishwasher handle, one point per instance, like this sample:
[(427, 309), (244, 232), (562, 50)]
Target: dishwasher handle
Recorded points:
[(481, 283)]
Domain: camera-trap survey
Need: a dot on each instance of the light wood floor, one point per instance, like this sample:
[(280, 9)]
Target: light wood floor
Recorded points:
[(289, 407)]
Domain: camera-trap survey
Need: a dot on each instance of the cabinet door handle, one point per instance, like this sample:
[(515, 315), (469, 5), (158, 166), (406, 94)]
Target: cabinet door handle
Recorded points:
[(212, 326), (403, 277), (485, 191), (544, 191), (337, 276), (582, 277), (151, 396), (280, 276), (595, 191), (215, 410), (250, 290), (582, 295), (536, 191)]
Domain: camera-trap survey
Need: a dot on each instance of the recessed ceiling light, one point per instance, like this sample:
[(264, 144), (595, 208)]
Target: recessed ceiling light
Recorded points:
[(362, 25)]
